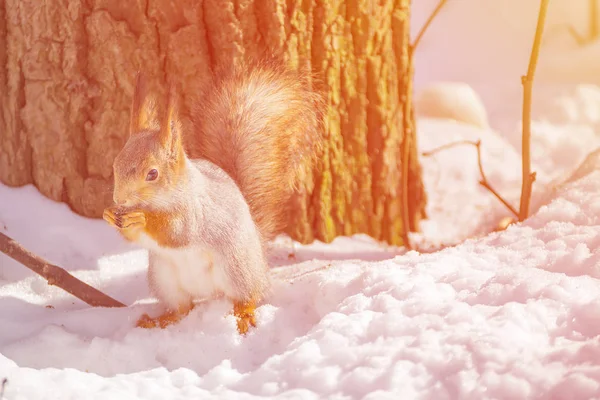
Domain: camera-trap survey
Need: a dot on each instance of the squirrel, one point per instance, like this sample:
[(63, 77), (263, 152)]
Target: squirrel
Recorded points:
[(204, 198)]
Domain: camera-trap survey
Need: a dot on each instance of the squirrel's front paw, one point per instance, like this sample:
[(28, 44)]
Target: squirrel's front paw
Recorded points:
[(110, 215), (124, 218), (129, 222)]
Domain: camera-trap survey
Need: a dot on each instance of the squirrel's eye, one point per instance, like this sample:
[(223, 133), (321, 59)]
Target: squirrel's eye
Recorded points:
[(152, 175)]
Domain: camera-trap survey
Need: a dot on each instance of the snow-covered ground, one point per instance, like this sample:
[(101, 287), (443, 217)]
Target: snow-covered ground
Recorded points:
[(511, 315), (503, 315)]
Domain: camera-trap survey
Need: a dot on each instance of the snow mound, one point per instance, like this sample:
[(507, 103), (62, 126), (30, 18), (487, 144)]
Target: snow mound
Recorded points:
[(580, 105), (451, 100)]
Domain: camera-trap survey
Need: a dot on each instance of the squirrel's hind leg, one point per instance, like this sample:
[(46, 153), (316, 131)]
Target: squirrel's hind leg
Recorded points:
[(167, 318), (165, 285), (244, 313)]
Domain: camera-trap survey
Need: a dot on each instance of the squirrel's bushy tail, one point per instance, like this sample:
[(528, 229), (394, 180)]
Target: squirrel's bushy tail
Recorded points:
[(263, 124)]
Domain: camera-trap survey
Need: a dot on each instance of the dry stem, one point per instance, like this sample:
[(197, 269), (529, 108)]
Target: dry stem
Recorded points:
[(593, 19), (55, 275), (425, 26), (2, 387), (527, 81), (406, 115), (483, 182), (406, 120), (578, 38), (593, 29)]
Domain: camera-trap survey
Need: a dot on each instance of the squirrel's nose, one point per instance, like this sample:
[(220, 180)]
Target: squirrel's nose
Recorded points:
[(120, 199)]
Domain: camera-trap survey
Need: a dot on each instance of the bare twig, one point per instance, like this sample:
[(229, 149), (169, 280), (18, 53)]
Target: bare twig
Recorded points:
[(527, 81), (594, 30), (407, 113), (578, 38), (2, 387), (407, 130), (449, 146), (55, 275), (425, 26), (483, 182)]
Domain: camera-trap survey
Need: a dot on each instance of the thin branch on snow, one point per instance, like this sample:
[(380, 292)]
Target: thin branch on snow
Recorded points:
[(527, 81), (483, 182), (56, 275), (2, 386)]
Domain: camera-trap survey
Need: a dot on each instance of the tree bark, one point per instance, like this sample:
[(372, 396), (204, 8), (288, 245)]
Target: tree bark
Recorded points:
[(68, 69)]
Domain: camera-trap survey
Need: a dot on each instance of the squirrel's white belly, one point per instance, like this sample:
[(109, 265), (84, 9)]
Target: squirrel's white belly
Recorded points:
[(179, 275)]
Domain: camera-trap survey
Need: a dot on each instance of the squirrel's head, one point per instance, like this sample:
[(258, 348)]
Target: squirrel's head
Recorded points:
[(152, 160)]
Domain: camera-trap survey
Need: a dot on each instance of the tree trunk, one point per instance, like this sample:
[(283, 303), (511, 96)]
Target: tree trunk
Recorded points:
[(67, 69)]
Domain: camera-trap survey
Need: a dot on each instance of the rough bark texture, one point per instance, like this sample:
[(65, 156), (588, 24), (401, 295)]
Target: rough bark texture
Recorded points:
[(67, 72)]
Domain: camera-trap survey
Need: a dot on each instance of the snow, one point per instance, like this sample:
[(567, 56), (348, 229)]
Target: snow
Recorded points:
[(451, 100), (509, 315), (513, 314)]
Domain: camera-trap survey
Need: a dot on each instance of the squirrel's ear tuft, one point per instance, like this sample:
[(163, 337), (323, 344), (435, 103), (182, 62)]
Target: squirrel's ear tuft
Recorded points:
[(171, 130), (144, 108)]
